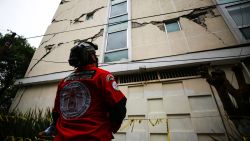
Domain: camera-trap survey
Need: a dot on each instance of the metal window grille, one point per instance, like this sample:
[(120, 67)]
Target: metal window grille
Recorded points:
[(157, 75)]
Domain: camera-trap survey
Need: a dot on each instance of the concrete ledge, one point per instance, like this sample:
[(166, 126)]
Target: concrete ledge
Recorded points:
[(222, 56)]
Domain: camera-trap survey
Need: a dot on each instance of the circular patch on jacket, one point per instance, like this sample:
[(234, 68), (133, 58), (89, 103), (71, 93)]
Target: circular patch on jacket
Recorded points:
[(75, 100)]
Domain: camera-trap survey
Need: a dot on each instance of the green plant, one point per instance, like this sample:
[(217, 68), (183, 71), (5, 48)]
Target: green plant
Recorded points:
[(23, 126)]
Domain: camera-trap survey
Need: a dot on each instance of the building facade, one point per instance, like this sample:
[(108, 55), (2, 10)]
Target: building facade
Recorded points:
[(155, 49)]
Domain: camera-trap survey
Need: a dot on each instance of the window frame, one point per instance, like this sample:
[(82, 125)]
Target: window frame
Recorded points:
[(126, 28), (230, 21), (110, 17), (119, 49), (169, 22)]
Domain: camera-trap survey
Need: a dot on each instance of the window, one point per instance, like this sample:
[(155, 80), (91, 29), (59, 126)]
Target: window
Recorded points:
[(116, 56), (117, 40), (118, 9), (116, 46), (172, 26), (237, 17), (241, 16)]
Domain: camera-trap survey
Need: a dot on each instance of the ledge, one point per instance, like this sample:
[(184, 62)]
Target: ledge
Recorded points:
[(222, 56)]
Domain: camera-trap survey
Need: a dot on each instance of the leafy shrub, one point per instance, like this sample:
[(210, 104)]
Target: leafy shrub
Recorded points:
[(17, 126)]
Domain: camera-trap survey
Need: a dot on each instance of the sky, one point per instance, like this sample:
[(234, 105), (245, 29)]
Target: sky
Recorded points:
[(27, 18)]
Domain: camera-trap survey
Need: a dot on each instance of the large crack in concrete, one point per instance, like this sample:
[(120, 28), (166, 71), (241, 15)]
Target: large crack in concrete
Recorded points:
[(159, 24), (77, 20), (47, 52), (48, 40), (198, 16), (51, 47)]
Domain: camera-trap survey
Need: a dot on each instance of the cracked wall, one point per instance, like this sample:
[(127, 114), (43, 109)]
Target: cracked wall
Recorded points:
[(70, 16), (201, 28)]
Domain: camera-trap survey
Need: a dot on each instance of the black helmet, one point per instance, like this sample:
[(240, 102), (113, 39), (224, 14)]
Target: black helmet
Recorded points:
[(80, 54)]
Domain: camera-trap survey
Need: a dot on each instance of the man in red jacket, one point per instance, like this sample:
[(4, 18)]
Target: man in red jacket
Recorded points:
[(88, 105)]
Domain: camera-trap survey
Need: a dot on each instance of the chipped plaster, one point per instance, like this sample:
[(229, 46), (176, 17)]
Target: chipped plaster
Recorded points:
[(50, 47)]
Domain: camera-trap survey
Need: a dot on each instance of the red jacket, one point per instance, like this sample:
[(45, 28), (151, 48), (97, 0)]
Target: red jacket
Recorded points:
[(83, 101)]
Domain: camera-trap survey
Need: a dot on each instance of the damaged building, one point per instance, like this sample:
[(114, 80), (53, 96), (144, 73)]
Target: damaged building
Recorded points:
[(182, 64)]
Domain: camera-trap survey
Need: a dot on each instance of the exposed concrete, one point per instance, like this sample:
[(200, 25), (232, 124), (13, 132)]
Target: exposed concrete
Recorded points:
[(159, 24), (49, 48), (64, 1), (77, 20), (198, 16), (201, 29)]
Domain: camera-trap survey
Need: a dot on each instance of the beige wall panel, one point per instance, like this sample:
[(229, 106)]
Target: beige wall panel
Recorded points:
[(64, 10), (216, 34), (183, 136), (208, 124), (157, 125), (119, 137), (74, 9), (137, 136), (216, 24), (153, 90), (176, 104), (149, 42), (173, 89), (218, 27), (86, 6), (196, 87), (142, 8), (136, 92), (202, 103), (226, 37), (199, 38), (136, 106), (155, 106), (138, 124), (184, 4), (158, 137), (181, 128), (204, 111), (35, 97), (57, 27), (191, 29), (138, 129), (180, 123), (209, 137), (178, 42)]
